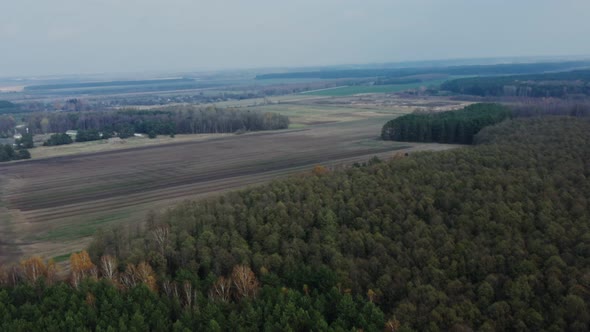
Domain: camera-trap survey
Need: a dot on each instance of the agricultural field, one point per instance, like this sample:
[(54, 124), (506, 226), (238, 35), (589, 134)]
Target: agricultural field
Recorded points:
[(54, 202), (360, 89)]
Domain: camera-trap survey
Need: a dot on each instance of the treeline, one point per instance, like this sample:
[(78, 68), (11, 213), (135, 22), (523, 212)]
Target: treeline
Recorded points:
[(445, 127), (78, 85), (102, 88), (8, 153), (498, 69), (558, 85), (164, 122)]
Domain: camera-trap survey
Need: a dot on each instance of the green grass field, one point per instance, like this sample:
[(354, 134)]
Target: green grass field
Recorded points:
[(357, 89), (83, 229)]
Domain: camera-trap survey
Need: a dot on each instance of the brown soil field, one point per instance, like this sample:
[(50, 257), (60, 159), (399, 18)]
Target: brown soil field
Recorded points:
[(52, 206)]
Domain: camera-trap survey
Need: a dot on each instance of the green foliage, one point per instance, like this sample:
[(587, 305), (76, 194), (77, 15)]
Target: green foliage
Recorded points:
[(58, 139), (26, 142), (88, 135), (22, 154), (101, 306), (125, 131), (445, 127), (492, 237), (8, 153)]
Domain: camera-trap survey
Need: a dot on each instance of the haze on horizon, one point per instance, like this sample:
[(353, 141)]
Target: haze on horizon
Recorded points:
[(108, 36)]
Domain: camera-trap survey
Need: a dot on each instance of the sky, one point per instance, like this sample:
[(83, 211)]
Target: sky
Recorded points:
[(40, 37)]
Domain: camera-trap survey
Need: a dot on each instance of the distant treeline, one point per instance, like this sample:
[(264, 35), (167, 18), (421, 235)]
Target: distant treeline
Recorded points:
[(164, 122), (499, 69), (119, 87), (557, 85), (401, 80), (7, 107), (445, 127), (562, 107), (105, 84)]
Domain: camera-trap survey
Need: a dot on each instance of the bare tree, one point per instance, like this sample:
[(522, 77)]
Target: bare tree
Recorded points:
[(245, 282), (188, 293), (160, 234), (33, 268), (170, 288), (221, 290), (108, 267)]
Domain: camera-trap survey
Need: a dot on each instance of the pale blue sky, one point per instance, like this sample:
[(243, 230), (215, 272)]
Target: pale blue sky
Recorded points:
[(40, 37)]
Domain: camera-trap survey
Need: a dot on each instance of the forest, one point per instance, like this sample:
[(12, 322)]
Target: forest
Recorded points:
[(445, 127), (497, 69), (491, 237), (557, 85), (175, 120)]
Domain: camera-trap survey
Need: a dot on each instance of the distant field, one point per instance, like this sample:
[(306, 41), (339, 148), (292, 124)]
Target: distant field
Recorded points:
[(115, 144), (358, 89)]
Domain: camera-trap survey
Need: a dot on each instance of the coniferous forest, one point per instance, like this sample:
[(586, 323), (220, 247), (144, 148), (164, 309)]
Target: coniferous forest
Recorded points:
[(491, 237), (445, 127)]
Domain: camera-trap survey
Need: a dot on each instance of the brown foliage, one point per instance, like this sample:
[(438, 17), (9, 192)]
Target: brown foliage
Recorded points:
[(33, 268), (3, 276), (245, 282), (141, 273), (90, 299), (221, 289), (81, 267), (51, 272), (320, 170), (392, 325), (371, 295)]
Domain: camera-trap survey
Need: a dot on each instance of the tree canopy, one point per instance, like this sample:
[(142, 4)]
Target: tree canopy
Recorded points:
[(445, 127), (490, 237)]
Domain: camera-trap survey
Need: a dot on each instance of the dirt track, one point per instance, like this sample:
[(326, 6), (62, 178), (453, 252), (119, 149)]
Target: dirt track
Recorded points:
[(48, 205)]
